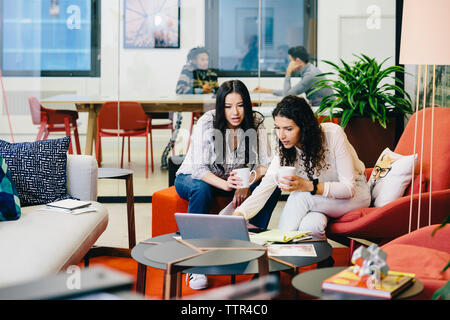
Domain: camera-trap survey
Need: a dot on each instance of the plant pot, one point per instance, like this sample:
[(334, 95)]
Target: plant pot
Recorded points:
[(370, 139)]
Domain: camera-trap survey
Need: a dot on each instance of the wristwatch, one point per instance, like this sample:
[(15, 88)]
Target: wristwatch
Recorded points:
[(315, 182)]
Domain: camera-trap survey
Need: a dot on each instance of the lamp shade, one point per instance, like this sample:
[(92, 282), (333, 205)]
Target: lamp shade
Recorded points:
[(425, 32)]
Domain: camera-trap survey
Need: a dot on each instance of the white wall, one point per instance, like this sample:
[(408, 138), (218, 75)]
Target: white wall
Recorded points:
[(355, 26), (146, 72)]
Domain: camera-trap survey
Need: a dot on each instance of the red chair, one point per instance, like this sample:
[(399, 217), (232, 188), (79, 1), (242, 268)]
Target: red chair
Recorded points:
[(158, 120), (434, 251), (131, 121), (161, 120), (50, 120), (195, 117), (383, 224)]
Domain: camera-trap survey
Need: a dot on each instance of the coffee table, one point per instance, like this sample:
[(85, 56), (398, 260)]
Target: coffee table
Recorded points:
[(176, 255), (310, 282), (288, 264)]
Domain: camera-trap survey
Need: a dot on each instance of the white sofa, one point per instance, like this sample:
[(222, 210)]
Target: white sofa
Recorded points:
[(43, 243)]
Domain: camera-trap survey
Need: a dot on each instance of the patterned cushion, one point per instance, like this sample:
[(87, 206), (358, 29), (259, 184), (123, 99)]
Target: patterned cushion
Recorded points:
[(38, 169), (9, 198)]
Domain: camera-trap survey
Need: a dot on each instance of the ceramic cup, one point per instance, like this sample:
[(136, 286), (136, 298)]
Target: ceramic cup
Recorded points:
[(285, 172), (244, 174)]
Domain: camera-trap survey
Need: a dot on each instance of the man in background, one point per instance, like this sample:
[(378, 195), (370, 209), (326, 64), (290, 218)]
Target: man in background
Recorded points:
[(299, 65), (196, 77)]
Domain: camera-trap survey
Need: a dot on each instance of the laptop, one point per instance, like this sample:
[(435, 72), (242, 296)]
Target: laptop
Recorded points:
[(201, 226)]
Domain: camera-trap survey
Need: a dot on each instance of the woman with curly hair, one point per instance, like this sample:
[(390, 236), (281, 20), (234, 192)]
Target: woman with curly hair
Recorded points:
[(329, 179)]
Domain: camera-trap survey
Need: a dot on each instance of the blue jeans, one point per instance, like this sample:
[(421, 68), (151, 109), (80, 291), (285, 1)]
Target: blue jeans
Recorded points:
[(201, 194)]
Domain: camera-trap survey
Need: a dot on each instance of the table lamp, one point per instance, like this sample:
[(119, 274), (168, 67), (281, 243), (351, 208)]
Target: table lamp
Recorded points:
[(424, 41)]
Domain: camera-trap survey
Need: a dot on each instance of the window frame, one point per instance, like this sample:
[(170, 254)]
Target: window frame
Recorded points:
[(212, 41), (95, 51)]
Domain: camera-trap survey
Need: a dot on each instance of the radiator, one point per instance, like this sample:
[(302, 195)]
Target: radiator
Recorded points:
[(18, 100)]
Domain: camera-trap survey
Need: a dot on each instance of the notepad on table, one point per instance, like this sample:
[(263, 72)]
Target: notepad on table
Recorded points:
[(276, 235)]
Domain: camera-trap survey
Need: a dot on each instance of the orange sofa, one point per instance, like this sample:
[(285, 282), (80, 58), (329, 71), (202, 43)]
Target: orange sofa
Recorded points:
[(167, 202), (423, 254)]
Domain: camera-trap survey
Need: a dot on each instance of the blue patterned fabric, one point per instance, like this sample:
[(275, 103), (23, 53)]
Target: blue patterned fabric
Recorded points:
[(9, 198), (38, 169)]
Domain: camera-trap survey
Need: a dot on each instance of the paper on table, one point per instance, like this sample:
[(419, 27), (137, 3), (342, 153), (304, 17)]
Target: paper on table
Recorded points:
[(299, 250), (276, 235)]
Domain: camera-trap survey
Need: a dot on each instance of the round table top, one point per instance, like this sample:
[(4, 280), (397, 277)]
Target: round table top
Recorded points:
[(105, 173), (220, 253), (322, 248), (310, 282)]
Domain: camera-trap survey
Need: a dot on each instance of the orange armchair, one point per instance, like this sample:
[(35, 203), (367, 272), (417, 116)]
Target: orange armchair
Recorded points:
[(383, 224), (434, 252)]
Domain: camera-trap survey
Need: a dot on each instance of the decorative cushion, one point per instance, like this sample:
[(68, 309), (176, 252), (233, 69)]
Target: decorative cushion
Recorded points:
[(405, 257), (9, 198), (390, 177), (38, 169)]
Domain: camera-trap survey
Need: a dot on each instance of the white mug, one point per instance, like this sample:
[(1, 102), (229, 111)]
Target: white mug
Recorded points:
[(244, 174), (285, 172)]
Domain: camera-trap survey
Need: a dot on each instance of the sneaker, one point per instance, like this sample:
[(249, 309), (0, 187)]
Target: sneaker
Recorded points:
[(197, 281)]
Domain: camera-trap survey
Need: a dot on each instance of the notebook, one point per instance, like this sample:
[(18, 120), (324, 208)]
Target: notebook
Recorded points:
[(69, 204), (201, 226)]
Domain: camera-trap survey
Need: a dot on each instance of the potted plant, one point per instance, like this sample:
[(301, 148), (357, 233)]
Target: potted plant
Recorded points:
[(366, 99)]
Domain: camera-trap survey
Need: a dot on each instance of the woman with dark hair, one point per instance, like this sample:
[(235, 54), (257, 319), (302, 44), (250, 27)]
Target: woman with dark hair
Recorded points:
[(329, 178), (230, 137)]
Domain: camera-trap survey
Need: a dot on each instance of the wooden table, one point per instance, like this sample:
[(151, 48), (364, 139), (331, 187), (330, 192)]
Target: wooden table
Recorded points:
[(173, 103)]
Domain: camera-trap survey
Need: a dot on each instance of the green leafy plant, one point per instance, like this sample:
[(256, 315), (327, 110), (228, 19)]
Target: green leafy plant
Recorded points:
[(363, 89)]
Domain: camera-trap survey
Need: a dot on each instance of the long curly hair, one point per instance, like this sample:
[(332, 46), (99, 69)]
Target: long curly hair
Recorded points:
[(312, 138)]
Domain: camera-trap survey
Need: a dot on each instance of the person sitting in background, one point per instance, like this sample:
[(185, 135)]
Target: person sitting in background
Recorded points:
[(229, 137), (299, 66), (196, 77), (329, 178)]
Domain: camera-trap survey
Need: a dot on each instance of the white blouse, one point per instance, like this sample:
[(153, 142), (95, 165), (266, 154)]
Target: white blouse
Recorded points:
[(201, 156), (339, 177)]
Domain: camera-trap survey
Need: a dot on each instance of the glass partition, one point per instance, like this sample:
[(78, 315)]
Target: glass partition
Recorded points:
[(78, 54)]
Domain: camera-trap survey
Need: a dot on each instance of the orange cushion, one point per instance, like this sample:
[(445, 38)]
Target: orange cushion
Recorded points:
[(426, 263), (167, 202)]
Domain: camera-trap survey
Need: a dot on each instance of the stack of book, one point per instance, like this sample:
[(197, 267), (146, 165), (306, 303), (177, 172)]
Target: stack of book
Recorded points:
[(70, 206), (349, 283)]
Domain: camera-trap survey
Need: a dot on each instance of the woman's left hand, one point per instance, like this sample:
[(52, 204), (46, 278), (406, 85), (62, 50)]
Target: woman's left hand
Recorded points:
[(294, 183), (240, 195)]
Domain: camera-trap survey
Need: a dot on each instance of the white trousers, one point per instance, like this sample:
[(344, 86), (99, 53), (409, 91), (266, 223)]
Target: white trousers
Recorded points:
[(307, 212)]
